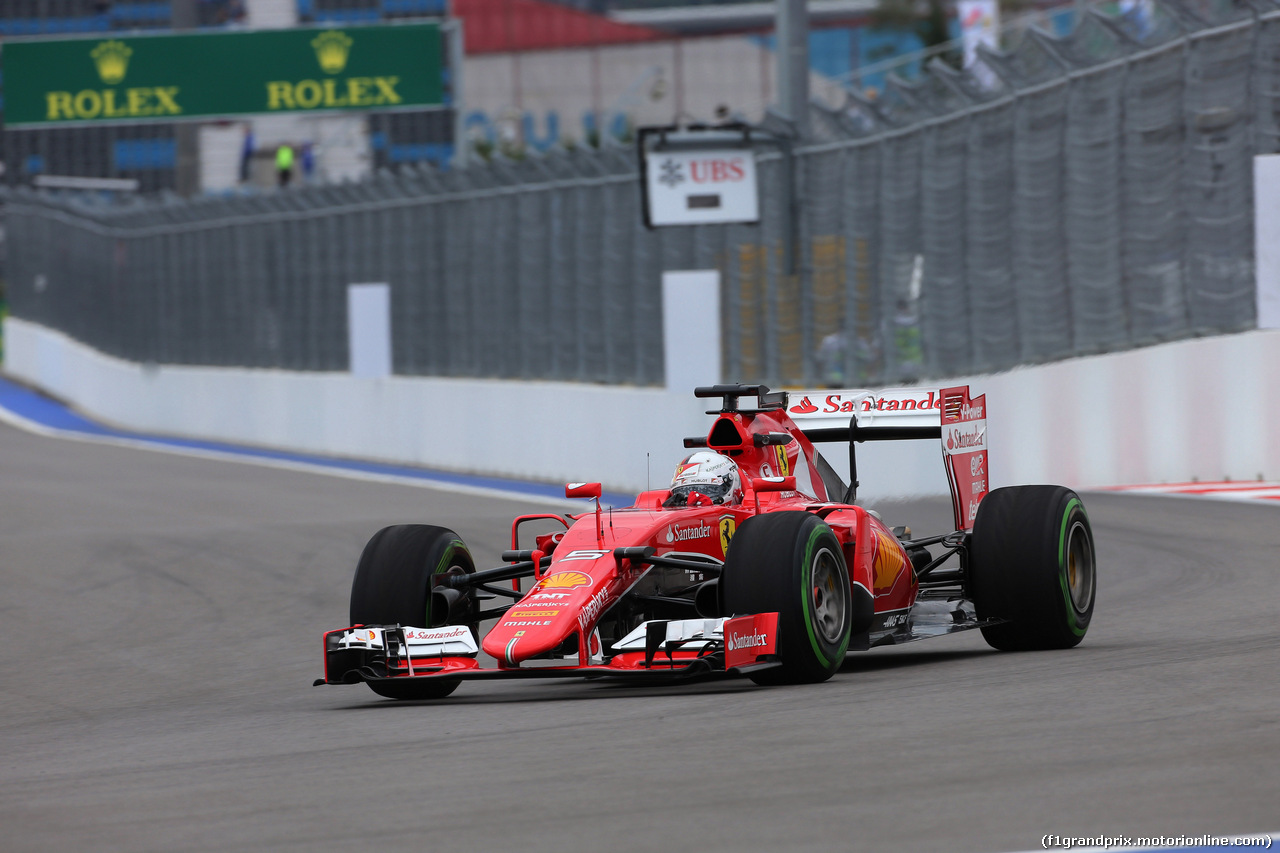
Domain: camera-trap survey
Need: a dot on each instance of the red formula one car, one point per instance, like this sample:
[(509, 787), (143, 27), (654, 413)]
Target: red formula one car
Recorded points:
[(757, 562)]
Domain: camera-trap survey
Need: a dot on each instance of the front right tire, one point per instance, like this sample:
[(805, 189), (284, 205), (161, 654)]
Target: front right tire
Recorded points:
[(392, 586)]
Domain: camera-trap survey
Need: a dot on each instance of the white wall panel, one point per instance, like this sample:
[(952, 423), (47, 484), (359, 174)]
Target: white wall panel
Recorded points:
[(1203, 409)]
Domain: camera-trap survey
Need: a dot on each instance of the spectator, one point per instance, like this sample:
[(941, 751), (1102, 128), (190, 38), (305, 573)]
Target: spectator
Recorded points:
[(831, 355), (907, 343), (866, 359), (284, 164), (246, 154)]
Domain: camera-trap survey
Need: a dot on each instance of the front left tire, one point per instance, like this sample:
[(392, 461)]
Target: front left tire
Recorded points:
[(791, 563)]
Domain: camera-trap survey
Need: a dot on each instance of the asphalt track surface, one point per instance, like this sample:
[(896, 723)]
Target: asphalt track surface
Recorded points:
[(162, 619)]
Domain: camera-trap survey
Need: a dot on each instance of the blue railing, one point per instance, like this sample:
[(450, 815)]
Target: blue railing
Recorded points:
[(307, 11), (139, 154)]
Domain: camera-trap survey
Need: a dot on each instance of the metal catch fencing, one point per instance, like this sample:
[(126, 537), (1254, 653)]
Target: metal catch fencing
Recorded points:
[(1071, 196)]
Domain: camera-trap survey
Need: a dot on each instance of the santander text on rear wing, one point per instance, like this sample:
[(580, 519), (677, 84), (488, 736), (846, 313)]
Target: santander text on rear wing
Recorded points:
[(964, 449), (896, 414)]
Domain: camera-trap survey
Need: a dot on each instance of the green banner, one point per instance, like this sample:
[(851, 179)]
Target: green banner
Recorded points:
[(175, 77)]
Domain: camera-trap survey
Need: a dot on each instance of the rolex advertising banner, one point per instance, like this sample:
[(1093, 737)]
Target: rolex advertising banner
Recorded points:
[(199, 75)]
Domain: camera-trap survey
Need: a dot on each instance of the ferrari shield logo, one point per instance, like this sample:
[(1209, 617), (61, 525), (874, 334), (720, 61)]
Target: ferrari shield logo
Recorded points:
[(780, 454), (727, 528)]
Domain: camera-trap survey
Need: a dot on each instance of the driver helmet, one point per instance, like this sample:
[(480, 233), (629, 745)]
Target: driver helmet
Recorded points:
[(709, 473)]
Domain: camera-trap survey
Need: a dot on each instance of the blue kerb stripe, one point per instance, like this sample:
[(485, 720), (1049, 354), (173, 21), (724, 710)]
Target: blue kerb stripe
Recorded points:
[(54, 415)]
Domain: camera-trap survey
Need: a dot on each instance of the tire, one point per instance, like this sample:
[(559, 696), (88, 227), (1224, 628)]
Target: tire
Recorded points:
[(791, 563), (393, 586), (1032, 561)]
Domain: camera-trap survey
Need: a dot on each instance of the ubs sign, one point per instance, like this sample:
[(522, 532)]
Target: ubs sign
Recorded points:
[(701, 186), (175, 77)]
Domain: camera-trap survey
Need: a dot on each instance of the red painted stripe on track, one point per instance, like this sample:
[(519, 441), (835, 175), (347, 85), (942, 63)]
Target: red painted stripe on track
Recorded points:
[(1226, 490)]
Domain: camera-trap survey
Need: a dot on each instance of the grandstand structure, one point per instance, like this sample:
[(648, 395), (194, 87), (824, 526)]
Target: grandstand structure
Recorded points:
[(1098, 197), (538, 73), (145, 153)]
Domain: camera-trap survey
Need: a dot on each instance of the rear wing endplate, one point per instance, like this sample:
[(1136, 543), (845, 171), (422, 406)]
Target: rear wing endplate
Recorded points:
[(897, 414)]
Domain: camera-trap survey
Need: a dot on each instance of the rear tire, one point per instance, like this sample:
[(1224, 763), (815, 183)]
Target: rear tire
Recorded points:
[(791, 563), (393, 586), (1032, 562)]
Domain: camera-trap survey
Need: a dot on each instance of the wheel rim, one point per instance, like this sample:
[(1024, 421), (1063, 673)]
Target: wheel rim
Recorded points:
[(1080, 571), (828, 597)]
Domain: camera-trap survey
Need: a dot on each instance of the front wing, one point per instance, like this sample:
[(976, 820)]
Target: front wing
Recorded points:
[(667, 650)]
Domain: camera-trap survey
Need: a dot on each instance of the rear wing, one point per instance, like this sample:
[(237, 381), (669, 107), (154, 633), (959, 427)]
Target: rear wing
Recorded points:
[(949, 415)]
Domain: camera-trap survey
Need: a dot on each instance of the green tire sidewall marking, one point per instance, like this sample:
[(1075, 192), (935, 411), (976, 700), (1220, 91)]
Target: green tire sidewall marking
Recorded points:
[(1072, 622), (443, 566), (806, 580)]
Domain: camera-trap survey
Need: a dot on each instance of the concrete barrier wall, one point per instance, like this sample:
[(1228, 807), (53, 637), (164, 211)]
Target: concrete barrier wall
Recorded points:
[(528, 430), (1206, 409)]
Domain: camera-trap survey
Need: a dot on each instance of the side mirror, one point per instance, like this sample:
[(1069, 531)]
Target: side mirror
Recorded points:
[(771, 484), (774, 484), (589, 490)]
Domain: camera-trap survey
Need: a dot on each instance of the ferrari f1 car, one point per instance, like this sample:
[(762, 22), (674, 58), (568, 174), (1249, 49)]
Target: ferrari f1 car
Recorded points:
[(757, 562)]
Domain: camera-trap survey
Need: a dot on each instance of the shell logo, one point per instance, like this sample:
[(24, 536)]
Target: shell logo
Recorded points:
[(888, 561), (564, 580)]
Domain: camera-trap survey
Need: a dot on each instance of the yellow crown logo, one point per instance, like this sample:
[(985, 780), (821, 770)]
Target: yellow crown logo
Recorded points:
[(332, 47), (112, 59)]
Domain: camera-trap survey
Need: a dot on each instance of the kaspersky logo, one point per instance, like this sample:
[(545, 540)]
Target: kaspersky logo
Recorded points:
[(332, 48), (112, 60)]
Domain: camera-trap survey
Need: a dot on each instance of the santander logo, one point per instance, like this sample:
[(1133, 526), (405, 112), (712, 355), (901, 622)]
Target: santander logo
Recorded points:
[(437, 633), (957, 440), (676, 534), (746, 641), (844, 403)]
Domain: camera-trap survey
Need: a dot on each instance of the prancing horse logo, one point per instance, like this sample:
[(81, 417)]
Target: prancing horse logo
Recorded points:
[(727, 528)]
